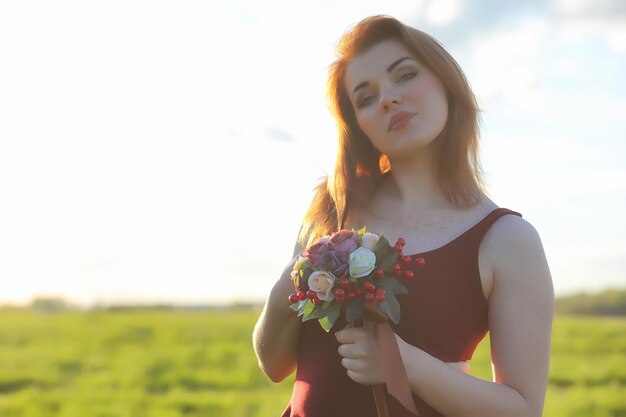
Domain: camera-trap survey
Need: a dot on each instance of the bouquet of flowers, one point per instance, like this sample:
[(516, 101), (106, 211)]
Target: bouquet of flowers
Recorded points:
[(347, 270)]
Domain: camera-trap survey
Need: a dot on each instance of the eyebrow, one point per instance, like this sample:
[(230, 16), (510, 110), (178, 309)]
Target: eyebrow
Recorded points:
[(389, 69)]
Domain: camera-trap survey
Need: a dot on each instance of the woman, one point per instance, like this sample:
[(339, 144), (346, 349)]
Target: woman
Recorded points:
[(407, 167)]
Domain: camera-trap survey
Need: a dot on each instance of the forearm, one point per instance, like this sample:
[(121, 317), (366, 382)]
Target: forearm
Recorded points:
[(276, 333), (454, 393)]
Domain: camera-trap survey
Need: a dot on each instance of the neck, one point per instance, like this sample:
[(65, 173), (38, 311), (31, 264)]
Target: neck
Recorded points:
[(414, 183)]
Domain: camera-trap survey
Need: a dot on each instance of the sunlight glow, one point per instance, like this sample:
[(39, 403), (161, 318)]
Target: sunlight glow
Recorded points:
[(442, 12), (167, 151)]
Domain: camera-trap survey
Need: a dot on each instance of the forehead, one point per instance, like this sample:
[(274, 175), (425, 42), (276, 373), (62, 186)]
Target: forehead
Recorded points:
[(374, 61)]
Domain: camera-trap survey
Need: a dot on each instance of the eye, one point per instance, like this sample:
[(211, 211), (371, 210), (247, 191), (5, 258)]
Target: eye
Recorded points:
[(407, 76), (366, 100)]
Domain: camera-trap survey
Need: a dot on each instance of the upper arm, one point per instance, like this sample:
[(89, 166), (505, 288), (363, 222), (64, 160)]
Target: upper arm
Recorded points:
[(275, 335), (521, 306)]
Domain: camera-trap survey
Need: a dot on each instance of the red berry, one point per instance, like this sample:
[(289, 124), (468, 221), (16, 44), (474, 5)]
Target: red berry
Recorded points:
[(293, 298), (344, 283), (301, 295), (399, 249), (368, 286), (380, 297), (310, 294), (397, 267), (379, 273), (380, 290), (406, 260), (409, 275), (369, 297), (340, 292), (400, 242), (359, 292), (317, 301), (420, 262)]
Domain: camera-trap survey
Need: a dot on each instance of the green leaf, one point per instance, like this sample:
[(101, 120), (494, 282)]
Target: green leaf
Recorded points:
[(325, 323), (308, 309), (296, 279), (381, 248), (391, 285), (299, 273), (332, 314), (297, 306), (333, 311), (387, 261), (315, 314), (391, 308), (361, 231), (354, 309)]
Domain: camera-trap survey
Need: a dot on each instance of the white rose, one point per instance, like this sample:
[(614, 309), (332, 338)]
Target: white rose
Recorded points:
[(369, 241), (362, 262), (322, 283)]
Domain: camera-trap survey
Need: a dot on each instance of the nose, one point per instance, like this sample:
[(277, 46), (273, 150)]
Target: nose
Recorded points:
[(389, 98)]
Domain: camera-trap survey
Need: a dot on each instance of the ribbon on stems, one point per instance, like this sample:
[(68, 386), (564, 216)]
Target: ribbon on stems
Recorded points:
[(396, 378)]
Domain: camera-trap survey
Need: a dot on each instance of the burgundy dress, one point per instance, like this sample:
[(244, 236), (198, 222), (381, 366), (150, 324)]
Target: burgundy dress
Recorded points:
[(444, 314)]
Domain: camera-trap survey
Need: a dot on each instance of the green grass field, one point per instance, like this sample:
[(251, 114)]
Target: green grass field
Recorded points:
[(170, 364)]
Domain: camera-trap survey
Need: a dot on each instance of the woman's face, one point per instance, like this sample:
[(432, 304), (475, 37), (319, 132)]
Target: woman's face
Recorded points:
[(399, 104)]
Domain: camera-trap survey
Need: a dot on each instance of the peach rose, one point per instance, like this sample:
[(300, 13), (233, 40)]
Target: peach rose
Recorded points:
[(322, 283)]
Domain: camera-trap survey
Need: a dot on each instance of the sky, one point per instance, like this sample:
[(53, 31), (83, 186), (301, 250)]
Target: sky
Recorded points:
[(166, 151)]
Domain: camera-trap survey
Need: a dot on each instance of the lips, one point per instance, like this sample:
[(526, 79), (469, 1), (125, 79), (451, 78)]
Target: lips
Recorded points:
[(399, 120)]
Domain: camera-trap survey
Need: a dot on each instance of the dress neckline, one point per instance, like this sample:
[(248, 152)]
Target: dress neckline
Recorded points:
[(459, 237)]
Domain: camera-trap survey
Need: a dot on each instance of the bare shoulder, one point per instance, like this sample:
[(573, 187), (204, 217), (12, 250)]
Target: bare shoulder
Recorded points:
[(513, 253), (511, 236)]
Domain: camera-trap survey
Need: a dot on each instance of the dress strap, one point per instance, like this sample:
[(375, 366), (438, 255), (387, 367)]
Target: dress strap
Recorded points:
[(480, 230)]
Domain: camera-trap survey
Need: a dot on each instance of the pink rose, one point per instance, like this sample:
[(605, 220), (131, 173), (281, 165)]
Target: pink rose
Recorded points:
[(344, 241), (318, 249)]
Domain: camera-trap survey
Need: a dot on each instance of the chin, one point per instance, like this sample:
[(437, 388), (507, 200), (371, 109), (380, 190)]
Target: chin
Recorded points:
[(404, 150)]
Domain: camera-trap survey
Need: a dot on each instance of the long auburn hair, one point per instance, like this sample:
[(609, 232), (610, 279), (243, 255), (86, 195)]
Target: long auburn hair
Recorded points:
[(360, 167)]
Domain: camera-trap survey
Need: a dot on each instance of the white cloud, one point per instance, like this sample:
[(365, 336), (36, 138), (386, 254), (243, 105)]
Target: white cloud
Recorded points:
[(442, 12), (583, 19), (591, 9), (506, 64)]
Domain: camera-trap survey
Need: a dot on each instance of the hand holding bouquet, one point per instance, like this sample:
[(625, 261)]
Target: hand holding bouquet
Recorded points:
[(350, 269)]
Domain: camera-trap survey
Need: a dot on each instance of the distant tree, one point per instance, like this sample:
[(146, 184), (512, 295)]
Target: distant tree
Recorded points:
[(49, 304), (611, 302)]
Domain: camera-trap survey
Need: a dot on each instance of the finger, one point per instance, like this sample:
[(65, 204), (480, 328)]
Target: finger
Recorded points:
[(353, 365), (358, 378), (345, 336), (350, 350), (349, 335)]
